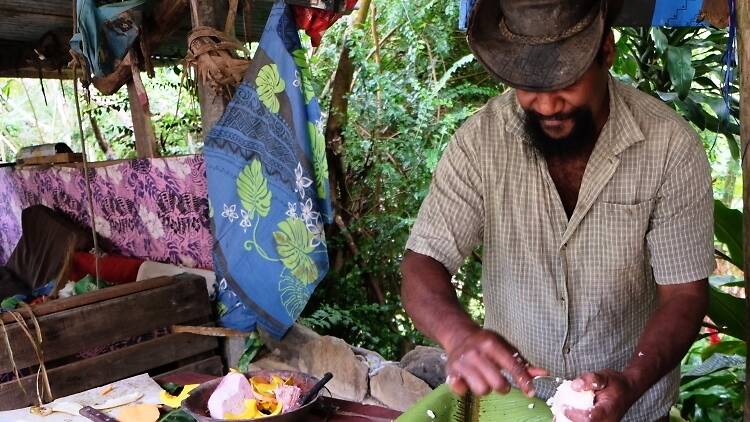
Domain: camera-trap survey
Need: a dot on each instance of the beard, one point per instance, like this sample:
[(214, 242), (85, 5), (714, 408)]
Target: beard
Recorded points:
[(581, 138)]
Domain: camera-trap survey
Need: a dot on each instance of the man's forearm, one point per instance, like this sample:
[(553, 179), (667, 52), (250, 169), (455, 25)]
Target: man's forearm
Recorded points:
[(668, 335), (430, 299)]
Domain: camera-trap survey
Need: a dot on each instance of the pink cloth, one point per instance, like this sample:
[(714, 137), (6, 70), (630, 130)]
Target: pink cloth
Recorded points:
[(154, 209)]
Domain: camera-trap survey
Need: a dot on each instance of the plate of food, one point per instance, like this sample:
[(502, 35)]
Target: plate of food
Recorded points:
[(274, 396)]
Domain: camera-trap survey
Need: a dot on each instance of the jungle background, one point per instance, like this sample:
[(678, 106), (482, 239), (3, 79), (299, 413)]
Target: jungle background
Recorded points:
[(413, 82)]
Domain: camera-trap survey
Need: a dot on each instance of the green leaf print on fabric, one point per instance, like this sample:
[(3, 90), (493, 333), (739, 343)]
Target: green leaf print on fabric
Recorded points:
[(320, 162), (252, 188), (294, 295), (294, 244), (269, 85), (300, 59)]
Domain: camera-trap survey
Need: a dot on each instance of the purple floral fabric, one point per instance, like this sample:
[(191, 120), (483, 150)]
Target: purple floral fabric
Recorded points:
[(154, 209)]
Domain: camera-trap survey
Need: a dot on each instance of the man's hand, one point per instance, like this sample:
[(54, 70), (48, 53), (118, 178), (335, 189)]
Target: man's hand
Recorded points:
[(476, 362), (613, 396)]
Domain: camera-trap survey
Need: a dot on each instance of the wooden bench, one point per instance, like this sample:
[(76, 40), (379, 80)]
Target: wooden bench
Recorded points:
[(81, 323)]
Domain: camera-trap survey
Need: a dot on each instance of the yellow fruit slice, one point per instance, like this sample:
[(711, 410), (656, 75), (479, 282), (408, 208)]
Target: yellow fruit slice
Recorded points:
[(250, 412), (175, 401), (139, 413)]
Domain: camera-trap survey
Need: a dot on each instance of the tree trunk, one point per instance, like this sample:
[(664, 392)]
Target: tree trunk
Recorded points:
[(334, 136), (743, 15), (103, 144)]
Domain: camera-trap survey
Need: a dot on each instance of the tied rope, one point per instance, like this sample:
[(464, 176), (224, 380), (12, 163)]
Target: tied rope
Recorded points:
[(42, 384), (90, 200)]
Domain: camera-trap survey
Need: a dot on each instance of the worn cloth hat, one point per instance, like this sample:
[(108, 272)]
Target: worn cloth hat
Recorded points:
[(538, 45)]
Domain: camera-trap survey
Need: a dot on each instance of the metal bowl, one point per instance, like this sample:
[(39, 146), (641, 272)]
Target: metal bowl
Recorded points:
[(197, 403)]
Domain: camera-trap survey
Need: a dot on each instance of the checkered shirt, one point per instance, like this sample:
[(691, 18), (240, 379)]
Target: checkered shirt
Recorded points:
[(575, 295)]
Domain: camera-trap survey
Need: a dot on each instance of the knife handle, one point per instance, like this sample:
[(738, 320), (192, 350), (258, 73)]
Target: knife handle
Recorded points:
[(95, 415)]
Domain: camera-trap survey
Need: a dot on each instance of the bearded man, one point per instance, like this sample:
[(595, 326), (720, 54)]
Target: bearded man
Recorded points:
[(593, 204)]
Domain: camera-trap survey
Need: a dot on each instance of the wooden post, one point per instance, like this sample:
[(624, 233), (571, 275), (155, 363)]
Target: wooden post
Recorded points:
[(145, 140), (212, 104), (743, 30)]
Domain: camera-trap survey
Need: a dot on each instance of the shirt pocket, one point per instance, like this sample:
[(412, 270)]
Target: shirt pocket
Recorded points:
[(620, 233)]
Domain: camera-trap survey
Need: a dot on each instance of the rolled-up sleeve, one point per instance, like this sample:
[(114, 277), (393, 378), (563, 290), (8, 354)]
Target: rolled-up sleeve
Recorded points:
[(680, 237), (450, 220)]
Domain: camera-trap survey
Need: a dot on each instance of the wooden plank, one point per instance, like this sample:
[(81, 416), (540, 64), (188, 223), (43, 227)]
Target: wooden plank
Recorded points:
[(98, 296), (65, 157), (143, 129), (76, 330), (99, 370), (32, 73), (743, 26), (29, 28), (47, 7)]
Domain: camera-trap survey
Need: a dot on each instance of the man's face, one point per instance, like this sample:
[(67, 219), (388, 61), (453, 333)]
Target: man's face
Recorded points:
[(559, 119)]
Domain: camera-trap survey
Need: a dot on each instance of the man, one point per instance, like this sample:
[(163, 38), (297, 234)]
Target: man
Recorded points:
[(593, 204)]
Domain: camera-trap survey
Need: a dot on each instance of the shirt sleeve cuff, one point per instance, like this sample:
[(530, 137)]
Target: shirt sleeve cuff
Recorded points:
[(427, 247)]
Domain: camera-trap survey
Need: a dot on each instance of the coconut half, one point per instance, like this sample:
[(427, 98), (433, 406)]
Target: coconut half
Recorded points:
[(565, 398)]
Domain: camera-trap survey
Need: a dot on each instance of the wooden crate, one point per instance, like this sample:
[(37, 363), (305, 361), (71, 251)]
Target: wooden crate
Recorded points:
[(81, 323)]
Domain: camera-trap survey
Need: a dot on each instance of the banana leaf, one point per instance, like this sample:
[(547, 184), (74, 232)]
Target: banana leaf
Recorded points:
[(443, 406)]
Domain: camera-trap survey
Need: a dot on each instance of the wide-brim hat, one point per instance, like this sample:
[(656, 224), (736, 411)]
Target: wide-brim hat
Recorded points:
[(538, 45)]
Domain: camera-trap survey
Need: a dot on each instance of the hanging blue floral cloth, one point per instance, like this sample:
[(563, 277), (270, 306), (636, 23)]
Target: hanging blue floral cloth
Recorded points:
[(268, 187)]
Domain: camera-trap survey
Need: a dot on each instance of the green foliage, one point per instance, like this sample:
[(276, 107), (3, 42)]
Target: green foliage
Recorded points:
[(320, 162), (728, 230), (402, 113), (177, 415), (717, 393), (253, 344)]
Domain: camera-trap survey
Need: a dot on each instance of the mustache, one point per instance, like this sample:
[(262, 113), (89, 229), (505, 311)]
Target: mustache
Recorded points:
[(549, 117)]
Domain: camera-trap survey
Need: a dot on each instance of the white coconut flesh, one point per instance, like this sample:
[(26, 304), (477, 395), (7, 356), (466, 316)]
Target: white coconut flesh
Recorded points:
[(565, 397)]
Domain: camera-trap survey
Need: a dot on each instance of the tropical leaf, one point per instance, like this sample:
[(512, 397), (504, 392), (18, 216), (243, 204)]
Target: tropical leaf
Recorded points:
[(320, 162), (727, 312), (660, 40), (269, 85), (680, 68), (728, 230), (294, 244), (300, 59), (252, 188)]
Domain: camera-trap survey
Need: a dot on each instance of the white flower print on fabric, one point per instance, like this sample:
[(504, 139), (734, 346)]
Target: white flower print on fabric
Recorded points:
[(291, 210), (318, 235), (65, 175), (152, 222), (302, 182), (310, 216), (245, 223), (103, 227), (296, 80), (230, 212)]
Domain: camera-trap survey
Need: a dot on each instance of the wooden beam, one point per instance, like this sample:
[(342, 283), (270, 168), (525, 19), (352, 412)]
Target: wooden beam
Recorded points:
[(203, 13), (143, 129), (743, 29)]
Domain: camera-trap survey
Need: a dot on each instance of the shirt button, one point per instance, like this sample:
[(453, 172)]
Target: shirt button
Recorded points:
[(567, 350)]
